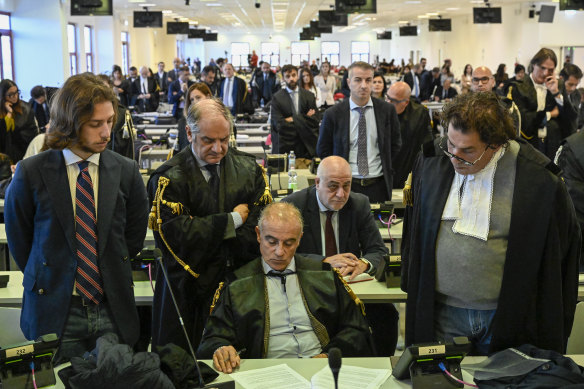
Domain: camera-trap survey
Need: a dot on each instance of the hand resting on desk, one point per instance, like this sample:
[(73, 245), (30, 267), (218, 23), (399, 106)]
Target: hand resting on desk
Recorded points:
[(347, 263), (225, 359)]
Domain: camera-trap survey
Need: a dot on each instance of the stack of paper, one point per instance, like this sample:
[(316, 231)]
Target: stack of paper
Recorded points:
[(350, 377), (279, 376)]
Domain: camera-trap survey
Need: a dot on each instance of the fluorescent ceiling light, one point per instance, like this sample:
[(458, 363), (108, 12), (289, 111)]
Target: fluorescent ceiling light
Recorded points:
[(214, 5), (413, 2), (432, 13), (452, 9), (403, 22), (166, 11), (147, 5), (423, 16)]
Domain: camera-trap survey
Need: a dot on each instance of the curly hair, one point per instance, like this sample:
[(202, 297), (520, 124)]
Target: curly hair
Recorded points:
[(482, 112)]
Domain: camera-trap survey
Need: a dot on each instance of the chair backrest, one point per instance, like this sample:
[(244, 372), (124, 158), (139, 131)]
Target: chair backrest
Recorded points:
[(576, 339), (10, 333)]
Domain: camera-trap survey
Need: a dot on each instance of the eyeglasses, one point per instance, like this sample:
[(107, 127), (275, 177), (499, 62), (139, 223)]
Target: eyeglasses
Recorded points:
[(9, 95), (444, 148), (483, 80), (395, 101)]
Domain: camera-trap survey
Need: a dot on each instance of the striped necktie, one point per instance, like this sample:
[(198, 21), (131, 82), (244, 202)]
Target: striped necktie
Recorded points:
[(362, 159), (88, 278)]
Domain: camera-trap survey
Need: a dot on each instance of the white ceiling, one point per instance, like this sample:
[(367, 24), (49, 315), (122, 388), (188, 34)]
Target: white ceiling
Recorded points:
[(279, 15)]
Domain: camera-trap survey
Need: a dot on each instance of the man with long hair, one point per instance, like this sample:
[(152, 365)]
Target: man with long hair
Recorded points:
[(75, 215)]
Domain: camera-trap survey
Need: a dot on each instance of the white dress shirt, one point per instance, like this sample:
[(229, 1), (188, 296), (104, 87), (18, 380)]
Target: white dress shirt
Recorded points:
[(291, 333)]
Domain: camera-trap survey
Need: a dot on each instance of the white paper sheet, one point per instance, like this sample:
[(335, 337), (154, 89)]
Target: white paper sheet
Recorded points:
[(279, 376), (350, 377)]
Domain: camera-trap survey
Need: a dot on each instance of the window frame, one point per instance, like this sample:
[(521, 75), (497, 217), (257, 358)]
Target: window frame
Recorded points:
[(243, 59), (89, 56), (125, 41), (73, 56), (7, 33), (274, 58), (333, 58), (359, 56), (296, 59)]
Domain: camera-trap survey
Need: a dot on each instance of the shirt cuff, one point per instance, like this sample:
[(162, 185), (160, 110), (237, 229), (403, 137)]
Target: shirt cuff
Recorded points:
[(237, 220), (560, 100), (548, 116), (229, 228)]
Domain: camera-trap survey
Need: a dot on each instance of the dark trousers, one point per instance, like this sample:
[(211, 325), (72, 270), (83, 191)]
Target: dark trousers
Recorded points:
[(384, 322), (376, 191)]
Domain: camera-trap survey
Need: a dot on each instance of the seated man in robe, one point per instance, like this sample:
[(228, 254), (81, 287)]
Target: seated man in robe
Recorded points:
[(283, 305)]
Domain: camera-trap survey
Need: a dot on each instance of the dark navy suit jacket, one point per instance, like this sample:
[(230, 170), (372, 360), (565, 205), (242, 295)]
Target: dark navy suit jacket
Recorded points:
[(41, 236)]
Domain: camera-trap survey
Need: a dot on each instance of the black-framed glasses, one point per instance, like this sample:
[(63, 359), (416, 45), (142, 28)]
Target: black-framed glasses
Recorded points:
[(395, 101), (443, 146), (483, 80), (13, 94)]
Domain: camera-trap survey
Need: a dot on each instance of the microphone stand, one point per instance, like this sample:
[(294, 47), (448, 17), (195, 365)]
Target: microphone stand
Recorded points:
[(230, 384)]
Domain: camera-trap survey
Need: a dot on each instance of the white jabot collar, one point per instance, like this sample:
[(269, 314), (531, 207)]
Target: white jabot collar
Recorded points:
[(472, 212)]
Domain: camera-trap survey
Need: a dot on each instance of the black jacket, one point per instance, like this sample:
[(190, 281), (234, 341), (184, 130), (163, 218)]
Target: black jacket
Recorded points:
[(239, 318)]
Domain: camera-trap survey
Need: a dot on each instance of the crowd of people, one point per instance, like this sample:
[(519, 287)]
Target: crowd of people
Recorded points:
[(249, 273)]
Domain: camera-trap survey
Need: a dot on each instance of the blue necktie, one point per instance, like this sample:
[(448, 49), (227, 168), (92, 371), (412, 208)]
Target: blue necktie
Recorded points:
[(88, 277)]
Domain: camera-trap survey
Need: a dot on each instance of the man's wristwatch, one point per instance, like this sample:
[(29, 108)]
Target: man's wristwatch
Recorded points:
[(369, 265)]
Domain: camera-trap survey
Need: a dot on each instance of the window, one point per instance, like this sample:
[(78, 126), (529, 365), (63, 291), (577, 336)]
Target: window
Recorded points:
[(360, 51), (300, 52), (72, 47), (6, 59), (271, 53), (88, 39), (239, 54), (180, 48), (125, 52), (330, 52)]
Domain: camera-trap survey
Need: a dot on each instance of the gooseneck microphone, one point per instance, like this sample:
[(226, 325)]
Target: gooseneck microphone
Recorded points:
[(335, 360)]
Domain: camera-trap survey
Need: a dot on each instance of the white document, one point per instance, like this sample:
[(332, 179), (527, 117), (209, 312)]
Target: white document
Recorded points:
[(279, 376), (350, 377)]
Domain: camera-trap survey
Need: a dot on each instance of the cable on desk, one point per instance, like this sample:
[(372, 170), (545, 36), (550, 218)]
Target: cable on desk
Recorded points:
[(449, 374), (389, 222), (149, 266), (33, 376)]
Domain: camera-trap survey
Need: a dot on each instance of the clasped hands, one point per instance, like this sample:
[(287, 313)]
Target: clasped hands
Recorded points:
[(347, 263)]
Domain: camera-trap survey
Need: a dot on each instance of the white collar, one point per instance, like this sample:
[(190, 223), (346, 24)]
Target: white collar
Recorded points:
[(539, 86), (471, 212), (353, 105), (267, 268), (71, 158)]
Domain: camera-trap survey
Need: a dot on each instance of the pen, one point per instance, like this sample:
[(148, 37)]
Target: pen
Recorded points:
[(238, 353)]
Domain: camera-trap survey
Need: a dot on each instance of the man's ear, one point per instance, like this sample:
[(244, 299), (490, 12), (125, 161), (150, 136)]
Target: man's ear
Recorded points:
[(257, 230), (189, 133)]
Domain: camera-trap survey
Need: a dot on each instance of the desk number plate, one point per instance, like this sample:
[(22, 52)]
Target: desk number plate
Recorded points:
[(19, 351), (432, 350)]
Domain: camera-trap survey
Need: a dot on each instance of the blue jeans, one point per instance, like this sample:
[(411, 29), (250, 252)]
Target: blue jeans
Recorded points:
[(83, 326), (450, 322)]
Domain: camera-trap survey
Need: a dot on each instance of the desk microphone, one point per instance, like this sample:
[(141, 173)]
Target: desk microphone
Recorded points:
[(335, 359), (433, 91), (225, 385)]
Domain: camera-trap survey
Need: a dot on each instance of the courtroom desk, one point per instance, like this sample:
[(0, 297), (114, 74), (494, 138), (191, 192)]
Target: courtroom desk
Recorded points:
[(251, 141), (310, 366), (256, 151), (253, 132), (396, 234), (156, 126), (368, 291), (160, 131)]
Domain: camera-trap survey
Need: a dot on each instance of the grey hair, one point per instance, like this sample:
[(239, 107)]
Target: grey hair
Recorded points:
[(281, 210), (205, 108)]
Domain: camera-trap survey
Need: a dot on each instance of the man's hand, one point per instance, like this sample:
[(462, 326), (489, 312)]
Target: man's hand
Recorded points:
[(551, 83), (310, 113), (243, 211), (345, 262), (361, 267), (290, 119), (555, 112), (225, 359)]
